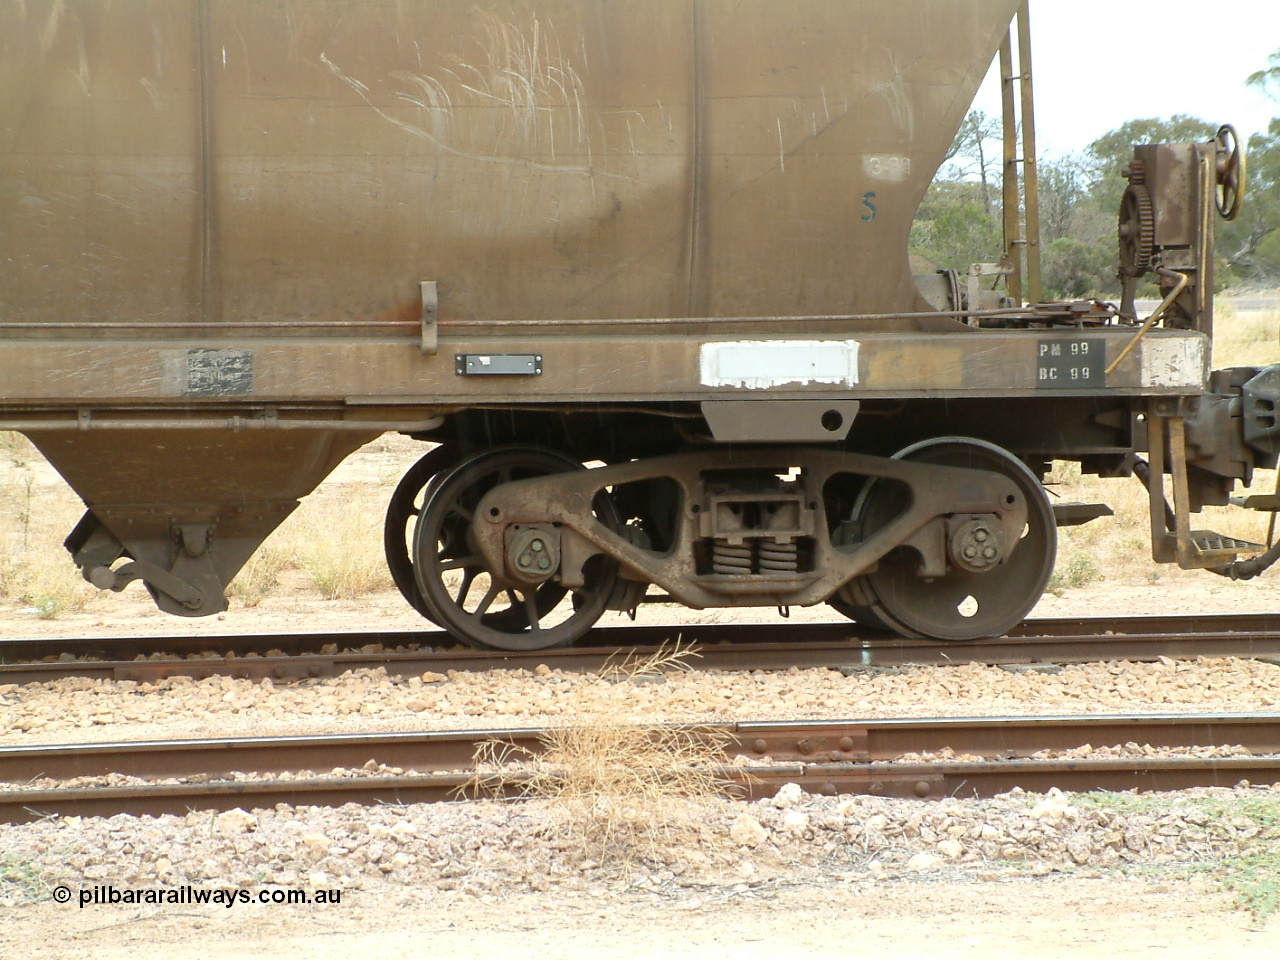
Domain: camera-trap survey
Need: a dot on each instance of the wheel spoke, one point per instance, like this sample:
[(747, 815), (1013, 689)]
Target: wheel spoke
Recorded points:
[(468, 579), (487, 599), (475, 560), (531, 609)]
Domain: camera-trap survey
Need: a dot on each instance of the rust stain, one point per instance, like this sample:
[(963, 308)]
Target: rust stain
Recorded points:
[(915, 366)]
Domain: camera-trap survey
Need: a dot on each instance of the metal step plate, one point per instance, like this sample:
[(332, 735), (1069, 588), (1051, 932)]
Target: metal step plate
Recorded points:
[(1210, 544)]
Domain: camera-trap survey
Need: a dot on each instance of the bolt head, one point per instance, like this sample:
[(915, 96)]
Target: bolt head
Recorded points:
[(980, 534)]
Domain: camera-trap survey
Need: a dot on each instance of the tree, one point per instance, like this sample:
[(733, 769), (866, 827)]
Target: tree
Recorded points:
[(1112, 151), (976, 147), (1268, 79), (1062, 188), (1251, 244), (959, 223), (952, 230)]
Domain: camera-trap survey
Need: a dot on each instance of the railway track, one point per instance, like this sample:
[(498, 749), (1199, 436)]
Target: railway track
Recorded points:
[(300, 656), (829, 757)]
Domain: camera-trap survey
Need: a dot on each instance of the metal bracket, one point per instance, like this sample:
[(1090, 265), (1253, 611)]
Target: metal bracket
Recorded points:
[(430, 311), (105, 578), (498, 364), (779, 421), (974, 288), (1172, 539)]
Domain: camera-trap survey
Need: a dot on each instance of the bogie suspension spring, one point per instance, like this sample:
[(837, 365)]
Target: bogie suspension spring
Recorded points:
[(753, 556)]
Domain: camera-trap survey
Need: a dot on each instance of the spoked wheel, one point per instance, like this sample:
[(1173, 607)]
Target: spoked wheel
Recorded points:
[(402, 518), (1229, 168), (478, 605), (962, 605)]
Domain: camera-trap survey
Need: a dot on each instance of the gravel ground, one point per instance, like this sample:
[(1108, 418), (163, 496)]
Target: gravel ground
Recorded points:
[(492, 849), (797, 876), (78, 709)]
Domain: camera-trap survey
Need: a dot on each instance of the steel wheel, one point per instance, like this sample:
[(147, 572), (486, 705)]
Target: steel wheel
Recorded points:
[(402, 517), (842, 601), (478, 605), (961, 605), (854, 600)]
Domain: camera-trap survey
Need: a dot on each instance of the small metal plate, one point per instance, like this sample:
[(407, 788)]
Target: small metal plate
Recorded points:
[(218, 373), (498, 364), (1071, 364)]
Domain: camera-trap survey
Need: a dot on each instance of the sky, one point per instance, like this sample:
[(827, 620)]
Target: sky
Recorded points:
[(1098, 63)]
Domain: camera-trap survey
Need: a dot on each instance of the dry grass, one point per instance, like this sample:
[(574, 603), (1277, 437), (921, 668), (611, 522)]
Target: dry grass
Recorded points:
[(36, 513), (260, 577), (334, 540), (617, 787), (1249, 338)]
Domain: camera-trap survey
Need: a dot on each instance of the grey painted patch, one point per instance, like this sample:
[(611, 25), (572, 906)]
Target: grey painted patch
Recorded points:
[(218, 373)]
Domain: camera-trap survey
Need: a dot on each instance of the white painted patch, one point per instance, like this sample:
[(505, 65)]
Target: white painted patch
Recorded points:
[(760, 364), (1173, 362), (886, 166)]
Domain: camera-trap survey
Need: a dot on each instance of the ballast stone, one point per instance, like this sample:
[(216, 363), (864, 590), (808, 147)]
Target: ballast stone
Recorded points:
[(746, 831)]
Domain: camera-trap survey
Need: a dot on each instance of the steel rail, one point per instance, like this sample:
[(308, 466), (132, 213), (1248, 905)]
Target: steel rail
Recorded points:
[(722, 646), (854, 756)]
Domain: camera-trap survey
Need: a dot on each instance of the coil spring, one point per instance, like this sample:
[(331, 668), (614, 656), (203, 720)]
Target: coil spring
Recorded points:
[(779, 557), (732, 560)]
